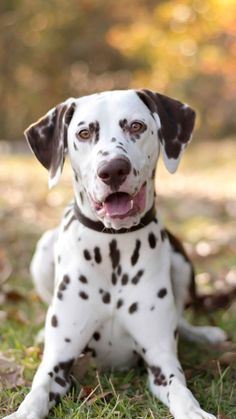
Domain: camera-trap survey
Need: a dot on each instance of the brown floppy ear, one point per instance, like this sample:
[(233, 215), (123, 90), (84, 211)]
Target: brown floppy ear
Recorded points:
[(48, 138), (175, 121)]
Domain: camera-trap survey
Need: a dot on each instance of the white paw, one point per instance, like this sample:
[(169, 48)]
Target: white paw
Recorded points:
[(18, 415), (34, 406), (214, 334), (194, 413)]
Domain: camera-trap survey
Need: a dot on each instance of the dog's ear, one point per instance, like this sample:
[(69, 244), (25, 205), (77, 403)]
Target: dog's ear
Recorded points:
[(175, 121), (48, 138)]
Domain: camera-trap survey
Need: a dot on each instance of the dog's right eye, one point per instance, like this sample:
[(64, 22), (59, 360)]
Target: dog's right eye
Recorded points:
[(84, 134)]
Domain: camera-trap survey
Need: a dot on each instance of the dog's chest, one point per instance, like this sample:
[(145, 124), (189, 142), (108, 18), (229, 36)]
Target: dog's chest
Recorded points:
[(111, 272)]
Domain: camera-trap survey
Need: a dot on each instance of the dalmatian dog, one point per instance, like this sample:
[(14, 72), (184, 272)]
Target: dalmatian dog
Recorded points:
[(115, 279)]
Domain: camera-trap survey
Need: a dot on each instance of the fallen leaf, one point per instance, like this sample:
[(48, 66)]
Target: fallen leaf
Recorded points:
[(228, 359), (105, 396), (14, 296), (11, 374), (85, 392), (18, 316)]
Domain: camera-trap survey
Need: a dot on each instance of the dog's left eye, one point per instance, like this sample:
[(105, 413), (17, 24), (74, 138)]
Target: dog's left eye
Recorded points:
[(84, 134), (136, 126)]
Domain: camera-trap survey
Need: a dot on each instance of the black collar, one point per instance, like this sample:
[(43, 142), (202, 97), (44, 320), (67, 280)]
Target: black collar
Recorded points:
[(99, 226)]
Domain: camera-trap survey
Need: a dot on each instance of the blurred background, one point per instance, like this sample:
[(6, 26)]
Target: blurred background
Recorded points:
[(55, 49)]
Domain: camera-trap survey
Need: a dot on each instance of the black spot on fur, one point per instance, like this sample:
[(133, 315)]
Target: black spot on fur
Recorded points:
[(67, 340), (113, 278), (97, 255), (83, 279), (75, 146), (96, 336), (54, 321), (152, 240), (50, 374), (62, 286), (137, 277), (66, 279), (54, 397), (114, 253), (162, 293), (123, 124), (134, 171), (106, 298), (120, 303), (175, 333), (124, 279), (59, 295), (66, 366), (83, 295), (56, 369), (113, 140), (87, 255), (119, 270), (159, 378), (133, 308), (94, 130), (163, 235), (81, 197), (135, 255), (59, 259), (60, 381)]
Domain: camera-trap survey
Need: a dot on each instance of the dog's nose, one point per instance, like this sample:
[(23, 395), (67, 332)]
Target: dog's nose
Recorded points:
[(114, 172)]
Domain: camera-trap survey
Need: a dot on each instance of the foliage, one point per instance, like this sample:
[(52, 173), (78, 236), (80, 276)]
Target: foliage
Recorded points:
[(56, 49)]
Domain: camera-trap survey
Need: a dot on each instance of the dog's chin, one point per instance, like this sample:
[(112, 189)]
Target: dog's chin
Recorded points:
[(121, 210), (117, 223)]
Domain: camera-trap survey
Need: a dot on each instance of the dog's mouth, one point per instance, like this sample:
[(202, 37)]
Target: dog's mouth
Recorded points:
[(121, 204)]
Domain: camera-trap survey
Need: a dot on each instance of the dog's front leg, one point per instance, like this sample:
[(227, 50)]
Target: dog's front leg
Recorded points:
[(167, 382), (70, 324), (152, 322)]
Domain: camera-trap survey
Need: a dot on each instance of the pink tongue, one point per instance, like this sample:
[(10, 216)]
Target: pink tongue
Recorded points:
[(118, 204)]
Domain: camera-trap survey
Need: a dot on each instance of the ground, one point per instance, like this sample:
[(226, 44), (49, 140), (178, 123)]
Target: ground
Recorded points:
[(199, 205)]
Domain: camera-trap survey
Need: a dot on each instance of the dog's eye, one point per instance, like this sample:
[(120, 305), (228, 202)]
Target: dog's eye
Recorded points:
[(136, 126), (84, 134)]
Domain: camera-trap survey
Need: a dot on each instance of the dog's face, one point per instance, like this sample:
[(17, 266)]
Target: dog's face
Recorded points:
[(113, 141), (113, 148)]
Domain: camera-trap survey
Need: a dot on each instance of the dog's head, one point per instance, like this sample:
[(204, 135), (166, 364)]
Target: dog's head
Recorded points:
[(113, 141)]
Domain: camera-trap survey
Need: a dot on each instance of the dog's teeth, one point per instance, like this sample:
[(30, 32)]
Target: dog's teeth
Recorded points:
[(132, 203)]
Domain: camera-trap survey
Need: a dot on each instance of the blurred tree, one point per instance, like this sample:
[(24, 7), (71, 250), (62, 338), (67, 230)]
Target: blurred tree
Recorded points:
[(55, 49)]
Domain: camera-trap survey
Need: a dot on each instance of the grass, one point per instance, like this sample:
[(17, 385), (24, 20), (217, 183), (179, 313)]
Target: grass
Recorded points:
[(199, 204)]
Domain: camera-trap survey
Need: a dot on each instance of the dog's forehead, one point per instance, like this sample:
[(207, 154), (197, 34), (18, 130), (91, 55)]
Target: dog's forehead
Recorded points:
[(117, 104)]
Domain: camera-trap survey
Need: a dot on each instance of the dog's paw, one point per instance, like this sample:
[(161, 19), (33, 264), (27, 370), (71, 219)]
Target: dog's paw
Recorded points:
[(195, 413), (214, 335), (34, 406), (18, 415)]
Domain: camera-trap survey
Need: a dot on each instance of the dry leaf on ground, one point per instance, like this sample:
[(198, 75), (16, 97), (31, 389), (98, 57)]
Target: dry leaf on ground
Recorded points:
[(11, 374)]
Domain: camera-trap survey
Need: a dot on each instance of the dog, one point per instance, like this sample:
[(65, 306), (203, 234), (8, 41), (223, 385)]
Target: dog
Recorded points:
[(115, 279)]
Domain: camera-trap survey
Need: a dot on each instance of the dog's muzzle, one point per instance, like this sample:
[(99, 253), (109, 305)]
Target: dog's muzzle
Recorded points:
[(121, 204)]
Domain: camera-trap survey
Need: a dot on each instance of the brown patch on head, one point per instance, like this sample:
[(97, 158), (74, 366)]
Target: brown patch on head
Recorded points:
[(48, 136), (177, 122)]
